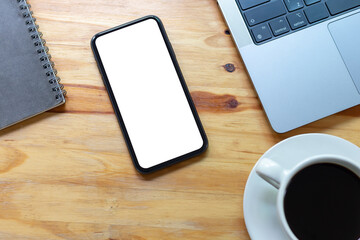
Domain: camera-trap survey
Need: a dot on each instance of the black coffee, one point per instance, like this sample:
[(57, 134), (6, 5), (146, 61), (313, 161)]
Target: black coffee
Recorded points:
[(323, 202)]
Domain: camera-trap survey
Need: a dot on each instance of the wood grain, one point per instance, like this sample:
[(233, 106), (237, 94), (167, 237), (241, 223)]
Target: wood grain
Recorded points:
[(66, 174)]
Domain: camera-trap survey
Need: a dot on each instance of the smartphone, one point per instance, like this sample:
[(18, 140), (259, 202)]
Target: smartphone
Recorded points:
[(149, 95)]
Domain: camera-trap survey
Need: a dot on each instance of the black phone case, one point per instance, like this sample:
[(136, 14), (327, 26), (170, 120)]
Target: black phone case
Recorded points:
[(116, 108)]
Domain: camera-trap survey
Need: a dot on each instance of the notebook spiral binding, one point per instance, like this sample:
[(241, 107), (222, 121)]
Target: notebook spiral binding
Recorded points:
[(42, 50)]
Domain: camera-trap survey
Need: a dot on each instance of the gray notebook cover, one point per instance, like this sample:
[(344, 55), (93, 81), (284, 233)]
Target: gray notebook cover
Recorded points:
[(28, 82)]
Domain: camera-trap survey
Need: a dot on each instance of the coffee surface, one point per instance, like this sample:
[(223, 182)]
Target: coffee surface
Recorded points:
[(322, 201)]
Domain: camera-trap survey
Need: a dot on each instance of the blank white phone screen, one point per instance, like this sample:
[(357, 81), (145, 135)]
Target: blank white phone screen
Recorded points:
[(148, 92)]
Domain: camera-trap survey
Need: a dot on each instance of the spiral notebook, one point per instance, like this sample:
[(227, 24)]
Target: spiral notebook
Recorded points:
[(28, 82)]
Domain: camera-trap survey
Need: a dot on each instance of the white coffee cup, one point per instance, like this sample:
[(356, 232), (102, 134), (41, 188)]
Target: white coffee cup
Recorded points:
[(279, 177)]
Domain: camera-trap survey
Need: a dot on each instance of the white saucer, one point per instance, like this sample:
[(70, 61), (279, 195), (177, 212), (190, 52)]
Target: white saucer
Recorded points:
[(260, 197)]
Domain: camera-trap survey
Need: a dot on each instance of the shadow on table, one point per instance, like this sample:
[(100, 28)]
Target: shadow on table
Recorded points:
[(23, 124)]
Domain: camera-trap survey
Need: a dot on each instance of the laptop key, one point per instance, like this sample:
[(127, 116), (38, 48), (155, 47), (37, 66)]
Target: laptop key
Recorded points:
[(309, 2), (297, 20), (339, 6), (316, 12), (279, 26), (265, 12), (261, 33), (246, 4), (293, 5)]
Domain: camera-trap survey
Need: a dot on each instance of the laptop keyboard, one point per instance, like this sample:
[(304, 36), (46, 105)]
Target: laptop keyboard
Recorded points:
[(270, 19)]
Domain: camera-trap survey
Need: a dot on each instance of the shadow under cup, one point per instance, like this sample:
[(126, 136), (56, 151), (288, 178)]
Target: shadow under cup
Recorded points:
[(322, 201)]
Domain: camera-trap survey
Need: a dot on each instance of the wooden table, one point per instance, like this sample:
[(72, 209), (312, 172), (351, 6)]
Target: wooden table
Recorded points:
[(66, 174)]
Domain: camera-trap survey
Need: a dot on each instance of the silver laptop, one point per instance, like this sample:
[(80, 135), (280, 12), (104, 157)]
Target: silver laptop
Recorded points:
[(303, 56)]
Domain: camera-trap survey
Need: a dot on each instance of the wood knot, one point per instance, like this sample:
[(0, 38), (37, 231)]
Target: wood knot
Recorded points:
[(229, 67), (209, 102), (232, 103), (227, 32)]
